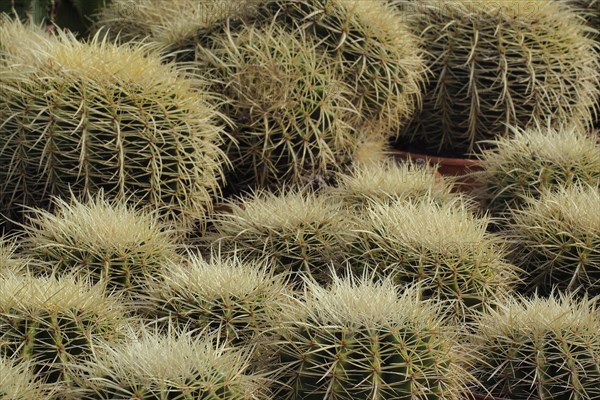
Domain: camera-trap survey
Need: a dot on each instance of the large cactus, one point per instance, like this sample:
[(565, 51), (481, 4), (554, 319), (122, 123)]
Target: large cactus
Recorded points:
[(496, 64), (80, 117), (359, 340)]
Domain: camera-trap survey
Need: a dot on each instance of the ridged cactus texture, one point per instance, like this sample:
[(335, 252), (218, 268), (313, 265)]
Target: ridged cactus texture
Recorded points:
[(17, 382), (557, 240), (534, 349), (176, 27), (375, 51), (106, 241), (497, 64), (444, 248), (361, 340), (83, 117), (534, 160), (289, 107), (379, 182), (233, 298), (53, 323), (177, 367), (299, 232)]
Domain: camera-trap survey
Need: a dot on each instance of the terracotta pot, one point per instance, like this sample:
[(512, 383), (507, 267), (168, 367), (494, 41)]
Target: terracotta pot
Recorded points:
[(447, 166)]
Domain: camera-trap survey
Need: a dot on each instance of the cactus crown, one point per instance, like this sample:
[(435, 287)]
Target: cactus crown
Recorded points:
[(540, 348), (174, 364), (387, 180), (533, 160)]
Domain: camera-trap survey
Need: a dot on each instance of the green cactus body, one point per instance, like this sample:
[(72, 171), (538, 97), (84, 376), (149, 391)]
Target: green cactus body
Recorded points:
[(237, 300), (375, 51), (105, 241), (289, 107), (557, 240), (85, 117), (157, 367), (540, 349), (499, 64), (532, 161), (52, 323), (444, 248), (345, 345), (299, 232)]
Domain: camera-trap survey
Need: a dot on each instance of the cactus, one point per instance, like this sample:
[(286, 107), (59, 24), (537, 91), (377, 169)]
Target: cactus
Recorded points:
[(236, 299), (533, 160), (374, 49), (361, 340), (496, 64), (557, 239), (19, 38), (17, 382), (106, 241), (53, 323), (540, 349), (89, 116), (445, 248), (299, 232), (289, 108), (176, 27), (172, 366), (387, 181)]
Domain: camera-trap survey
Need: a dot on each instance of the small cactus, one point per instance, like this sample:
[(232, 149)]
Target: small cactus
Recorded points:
[(389, 181), (557, 239), (239, 300), (83, 117), (361, 340), (445, 248), (299, 232), (53, 323), (534, 160), (107, 241), (172, 366), (536, 349)]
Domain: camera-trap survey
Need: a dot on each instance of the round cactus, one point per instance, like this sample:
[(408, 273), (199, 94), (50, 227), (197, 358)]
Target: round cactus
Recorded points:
[(19, 38), (289, 108), (176, 27), (375, 52), (106, 241), (496, 64), (538, 349), (237, 300), (361, 340), (388, 181), (170, 367), (298, 232), (444, 248), (88, 116), (52, 323), (10, 261), (557, 239), (17, 382), (533, 160)]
